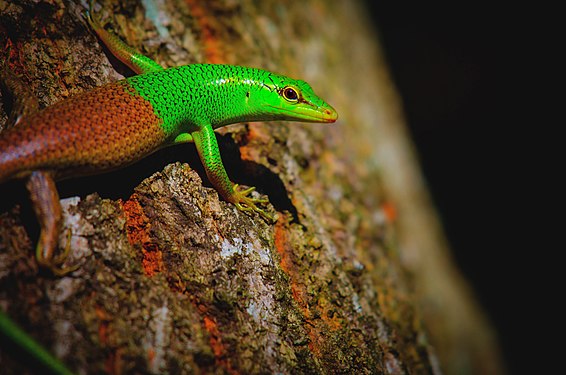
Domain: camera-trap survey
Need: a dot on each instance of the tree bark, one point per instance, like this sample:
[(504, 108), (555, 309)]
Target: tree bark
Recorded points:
[(354, 276)]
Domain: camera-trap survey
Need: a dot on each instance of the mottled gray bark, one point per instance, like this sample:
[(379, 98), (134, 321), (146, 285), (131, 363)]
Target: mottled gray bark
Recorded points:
[(354, 277)]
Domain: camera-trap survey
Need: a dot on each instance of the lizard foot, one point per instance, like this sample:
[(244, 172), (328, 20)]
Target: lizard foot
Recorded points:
[(244, 202), (55, 264)]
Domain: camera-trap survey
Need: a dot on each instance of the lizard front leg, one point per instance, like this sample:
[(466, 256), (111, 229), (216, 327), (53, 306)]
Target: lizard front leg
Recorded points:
[(207, 147)]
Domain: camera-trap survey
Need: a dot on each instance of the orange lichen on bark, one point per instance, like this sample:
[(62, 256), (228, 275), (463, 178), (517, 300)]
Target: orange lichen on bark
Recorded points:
[(318, 318), (150, 356), (256, 138), (103, 326), (209, 28), (217, 345), (389, 210), (327, 315), (138, 230), (11, 56), (113, 363), (282, 246)]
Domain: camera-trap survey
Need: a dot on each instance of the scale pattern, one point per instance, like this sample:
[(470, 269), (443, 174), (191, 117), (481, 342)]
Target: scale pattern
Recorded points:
[(192, 96), (103, 129), (119, 123)]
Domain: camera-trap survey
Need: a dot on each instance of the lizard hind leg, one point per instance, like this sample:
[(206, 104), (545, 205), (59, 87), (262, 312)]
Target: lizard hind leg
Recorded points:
[(24, 102), (136, 61), (45, 199)]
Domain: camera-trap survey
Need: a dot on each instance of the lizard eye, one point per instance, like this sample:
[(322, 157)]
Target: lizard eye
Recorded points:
[(290, 94)]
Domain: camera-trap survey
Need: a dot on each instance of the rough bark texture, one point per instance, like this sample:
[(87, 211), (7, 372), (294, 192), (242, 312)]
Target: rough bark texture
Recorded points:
[(354, 277)]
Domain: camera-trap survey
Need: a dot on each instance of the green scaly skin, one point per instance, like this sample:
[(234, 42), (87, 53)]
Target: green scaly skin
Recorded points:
[(119, 123), (195, 99)]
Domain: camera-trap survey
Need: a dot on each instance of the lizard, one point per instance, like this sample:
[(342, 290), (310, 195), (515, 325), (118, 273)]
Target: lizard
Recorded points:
[(119, 123)]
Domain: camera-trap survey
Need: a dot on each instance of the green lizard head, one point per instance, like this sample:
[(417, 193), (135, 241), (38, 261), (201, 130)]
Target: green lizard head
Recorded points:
[(292, 100)]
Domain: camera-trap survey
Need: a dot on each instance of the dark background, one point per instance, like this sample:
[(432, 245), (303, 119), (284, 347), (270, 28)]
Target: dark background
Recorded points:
[(464, 73)]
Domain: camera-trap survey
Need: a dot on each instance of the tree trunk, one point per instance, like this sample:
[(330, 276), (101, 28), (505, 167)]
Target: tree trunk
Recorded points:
[(353, 277)]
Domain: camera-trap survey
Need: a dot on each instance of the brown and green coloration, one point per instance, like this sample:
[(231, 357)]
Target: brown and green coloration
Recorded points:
[(119, 123)]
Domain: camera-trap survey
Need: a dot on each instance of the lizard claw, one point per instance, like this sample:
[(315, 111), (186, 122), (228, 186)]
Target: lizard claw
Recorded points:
[(55, 264), (244, 202)]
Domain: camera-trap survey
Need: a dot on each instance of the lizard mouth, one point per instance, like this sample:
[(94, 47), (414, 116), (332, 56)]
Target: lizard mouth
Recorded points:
[(309, 114)]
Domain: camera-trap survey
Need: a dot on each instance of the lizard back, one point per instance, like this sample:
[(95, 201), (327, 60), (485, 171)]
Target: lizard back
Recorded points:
[(98, 130)]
